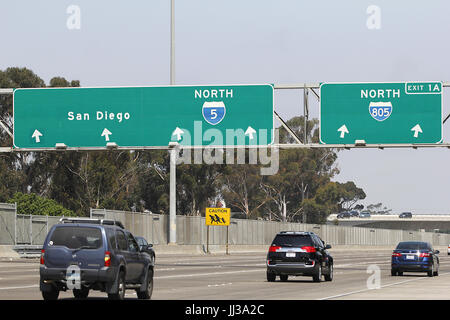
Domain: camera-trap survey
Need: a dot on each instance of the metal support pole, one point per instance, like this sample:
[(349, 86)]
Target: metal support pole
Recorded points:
[(172, 42), (305, 113), (207, 239), (31, 229), (173, 201), (15, 223), (227, 241)]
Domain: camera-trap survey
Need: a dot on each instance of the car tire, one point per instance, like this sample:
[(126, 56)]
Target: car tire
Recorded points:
[(436, 272), (120, 294), (271, 276), (147, 294), (50, 295), (81, 293), (284, 277), (431, 272), (317, 277), (393, 272), (329, 276)]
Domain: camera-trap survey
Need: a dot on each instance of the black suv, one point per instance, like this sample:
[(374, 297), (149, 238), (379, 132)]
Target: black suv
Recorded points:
[(92, 254), (299, 253)]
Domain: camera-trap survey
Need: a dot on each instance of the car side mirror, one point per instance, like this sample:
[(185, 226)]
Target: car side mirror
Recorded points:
[(327, 246), (436, 251), (150, 245)]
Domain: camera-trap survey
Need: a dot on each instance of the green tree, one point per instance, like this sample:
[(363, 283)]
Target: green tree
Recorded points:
[(241, 189), (32, 204)]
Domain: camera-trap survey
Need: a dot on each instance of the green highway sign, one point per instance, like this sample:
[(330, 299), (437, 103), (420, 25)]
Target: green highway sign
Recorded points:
[(381, 113), (213, 115)]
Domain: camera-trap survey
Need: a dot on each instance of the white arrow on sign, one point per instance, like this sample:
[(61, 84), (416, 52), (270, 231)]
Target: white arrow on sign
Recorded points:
[(249, 132), (177, 132), (343, 130), (36, 135), (416, 130), (106, 133)]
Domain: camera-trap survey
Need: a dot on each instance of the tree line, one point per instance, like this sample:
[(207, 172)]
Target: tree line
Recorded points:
[(302, 190)]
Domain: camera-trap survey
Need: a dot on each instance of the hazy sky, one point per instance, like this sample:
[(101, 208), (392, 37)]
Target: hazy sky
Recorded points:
[(283, 42)]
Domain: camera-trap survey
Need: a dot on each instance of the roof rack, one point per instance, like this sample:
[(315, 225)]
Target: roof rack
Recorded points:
[(92, 221), (295, 232)]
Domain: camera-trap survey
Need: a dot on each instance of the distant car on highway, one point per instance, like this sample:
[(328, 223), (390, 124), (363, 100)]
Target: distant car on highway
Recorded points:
[(448, 250), (364, 214), (405, 215), (299, 254), (342, 215), (144, 246), (92, 254), (415, 256), (354, 213)]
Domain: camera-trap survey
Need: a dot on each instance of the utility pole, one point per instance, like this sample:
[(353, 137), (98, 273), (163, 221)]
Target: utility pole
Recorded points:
[(173, 150), (172, 42)]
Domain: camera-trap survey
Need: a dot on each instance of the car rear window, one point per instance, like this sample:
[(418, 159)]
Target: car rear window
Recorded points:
[(413, 246), (292, 240), (77, 237)]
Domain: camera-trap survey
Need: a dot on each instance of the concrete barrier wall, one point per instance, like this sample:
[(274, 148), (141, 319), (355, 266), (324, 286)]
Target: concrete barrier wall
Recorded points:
[(191, 230), (7, 223)]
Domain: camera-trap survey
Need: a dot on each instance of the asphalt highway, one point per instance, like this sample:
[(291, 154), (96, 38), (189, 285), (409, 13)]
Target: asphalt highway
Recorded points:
[(242, 276)]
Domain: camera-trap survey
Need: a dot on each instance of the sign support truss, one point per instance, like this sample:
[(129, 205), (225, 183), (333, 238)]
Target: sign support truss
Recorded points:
[(306, 87)]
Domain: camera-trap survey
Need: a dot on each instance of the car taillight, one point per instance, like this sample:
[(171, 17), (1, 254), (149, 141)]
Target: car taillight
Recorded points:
[(274, 248), (424, 255), (107, 259), (396, 254), (309, 249), (42, 256)]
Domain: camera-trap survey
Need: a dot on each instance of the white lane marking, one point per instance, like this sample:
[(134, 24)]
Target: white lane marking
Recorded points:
[(359, 264), (207, 274), (219, 285), (25, 265), (22, 287), (21, 276), (384, 286), (196, 262), (22, 270)]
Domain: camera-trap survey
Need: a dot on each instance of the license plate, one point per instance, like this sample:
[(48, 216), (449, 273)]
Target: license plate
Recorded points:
[(290, 254), (409, 257)]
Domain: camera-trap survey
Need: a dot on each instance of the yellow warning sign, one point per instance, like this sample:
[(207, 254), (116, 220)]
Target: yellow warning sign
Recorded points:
[(217, 216)]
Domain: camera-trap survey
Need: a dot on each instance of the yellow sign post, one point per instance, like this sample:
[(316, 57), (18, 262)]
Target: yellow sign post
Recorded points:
[(217, 217)]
